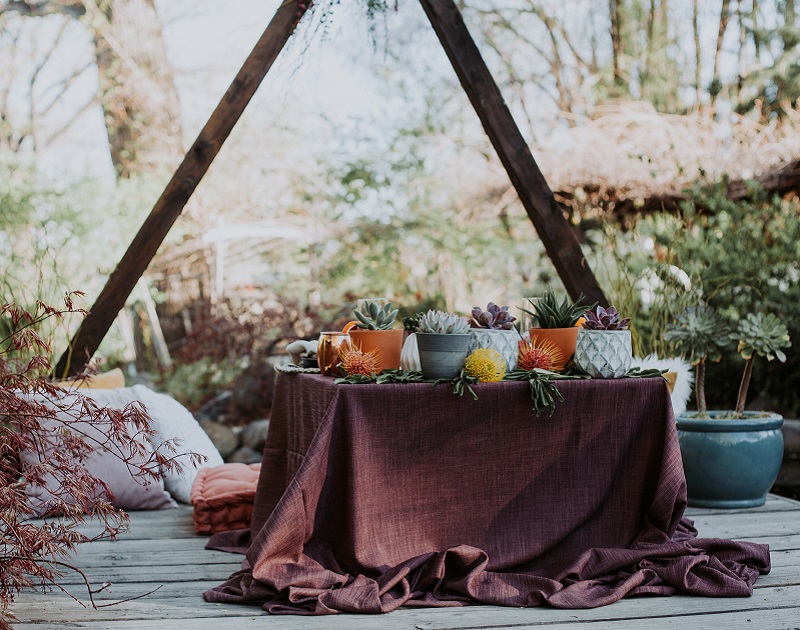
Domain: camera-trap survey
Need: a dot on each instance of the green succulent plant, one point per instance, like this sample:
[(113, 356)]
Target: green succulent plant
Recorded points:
[(699, 335), (758, 335), (550, 313), (373, 317), (442, 322)]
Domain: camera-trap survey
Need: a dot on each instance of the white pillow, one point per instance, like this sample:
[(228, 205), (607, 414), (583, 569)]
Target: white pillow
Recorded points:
[(108, 460), (173, 420)]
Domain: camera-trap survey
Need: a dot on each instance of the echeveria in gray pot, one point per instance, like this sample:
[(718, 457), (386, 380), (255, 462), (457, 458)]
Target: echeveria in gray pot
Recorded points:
[(443, 340)]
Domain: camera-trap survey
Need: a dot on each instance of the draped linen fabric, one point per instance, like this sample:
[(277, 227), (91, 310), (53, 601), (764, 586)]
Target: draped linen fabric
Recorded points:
[(407, 495)]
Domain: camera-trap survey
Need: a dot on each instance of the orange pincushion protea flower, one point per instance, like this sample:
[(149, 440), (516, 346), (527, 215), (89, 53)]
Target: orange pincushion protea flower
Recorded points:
[(539, 353), (353, 360)]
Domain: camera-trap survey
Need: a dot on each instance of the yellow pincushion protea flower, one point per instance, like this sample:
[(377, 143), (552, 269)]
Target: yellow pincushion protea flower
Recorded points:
[(485, 364), (353, 360), (539, 353)]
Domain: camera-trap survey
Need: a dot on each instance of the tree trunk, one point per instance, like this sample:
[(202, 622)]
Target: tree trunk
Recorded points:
[(700, 387), (741, 399), (137, 90), (615, 11), (698, 87), (724, 18)]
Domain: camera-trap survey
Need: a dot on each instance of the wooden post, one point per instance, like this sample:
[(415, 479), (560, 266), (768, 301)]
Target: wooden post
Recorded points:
[(559, 240), (177, 192)]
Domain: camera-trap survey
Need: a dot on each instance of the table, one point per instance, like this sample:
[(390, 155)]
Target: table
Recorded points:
[(377, 496)]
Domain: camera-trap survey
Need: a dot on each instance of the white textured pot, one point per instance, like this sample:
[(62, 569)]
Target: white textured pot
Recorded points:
[(604, 353), (409, 357), (506, 342)]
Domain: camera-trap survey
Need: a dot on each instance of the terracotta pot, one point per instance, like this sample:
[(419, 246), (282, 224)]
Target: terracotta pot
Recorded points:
[(563, 338), (388, 343)]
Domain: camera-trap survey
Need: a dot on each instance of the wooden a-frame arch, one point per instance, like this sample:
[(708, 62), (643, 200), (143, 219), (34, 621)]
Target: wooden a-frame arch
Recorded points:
[(559, 240)]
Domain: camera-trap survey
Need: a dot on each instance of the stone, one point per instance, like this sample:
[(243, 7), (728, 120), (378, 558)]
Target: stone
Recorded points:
[(216, 408), (254, 435), (244, 455), (222, 437)]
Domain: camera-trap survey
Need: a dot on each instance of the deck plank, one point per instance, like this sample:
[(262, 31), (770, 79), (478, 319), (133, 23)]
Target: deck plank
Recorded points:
[(162, 550)]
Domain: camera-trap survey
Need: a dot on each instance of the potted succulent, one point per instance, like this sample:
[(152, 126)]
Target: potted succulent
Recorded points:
[(603, 348), (443, 340), (372, 331), (494, 328), (557, 323), (730, 458)]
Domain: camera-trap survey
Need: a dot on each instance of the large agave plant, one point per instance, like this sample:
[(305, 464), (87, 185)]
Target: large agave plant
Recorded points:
[(443, 323), (758, 335), (699, 335), (550, 313)]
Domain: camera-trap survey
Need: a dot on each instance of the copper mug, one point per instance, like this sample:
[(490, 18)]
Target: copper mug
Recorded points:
[(328, 350)]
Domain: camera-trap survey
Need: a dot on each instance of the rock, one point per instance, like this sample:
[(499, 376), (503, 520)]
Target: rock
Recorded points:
[(216, 408), (252, 391), (254, 435), (244, 455), (223, 438)]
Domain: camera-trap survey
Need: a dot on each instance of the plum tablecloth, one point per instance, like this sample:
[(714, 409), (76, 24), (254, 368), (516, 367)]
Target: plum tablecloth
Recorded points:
[(406, 495)]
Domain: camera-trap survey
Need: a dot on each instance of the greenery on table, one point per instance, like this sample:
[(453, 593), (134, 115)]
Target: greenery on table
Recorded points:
[(542, 383)]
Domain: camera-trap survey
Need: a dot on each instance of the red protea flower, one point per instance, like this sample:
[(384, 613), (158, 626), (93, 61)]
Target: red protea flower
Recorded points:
[(353, 360), (539, 353)]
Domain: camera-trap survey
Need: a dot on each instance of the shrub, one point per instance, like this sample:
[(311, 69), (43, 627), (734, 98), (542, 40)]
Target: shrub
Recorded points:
[(36, 553)]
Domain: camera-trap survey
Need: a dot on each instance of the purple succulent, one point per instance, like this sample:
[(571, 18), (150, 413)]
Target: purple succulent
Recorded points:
[(605, 319), (495, 317)]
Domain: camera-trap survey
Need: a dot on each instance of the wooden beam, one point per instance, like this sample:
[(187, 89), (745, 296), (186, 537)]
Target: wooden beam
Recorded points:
[(559, 240), (180, 188)]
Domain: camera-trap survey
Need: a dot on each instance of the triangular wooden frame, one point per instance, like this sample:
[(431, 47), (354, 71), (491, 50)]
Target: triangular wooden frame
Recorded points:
[(558, 237)]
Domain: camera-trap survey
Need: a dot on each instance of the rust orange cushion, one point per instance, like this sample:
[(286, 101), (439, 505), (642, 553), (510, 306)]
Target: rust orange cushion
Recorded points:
[(223, 496)]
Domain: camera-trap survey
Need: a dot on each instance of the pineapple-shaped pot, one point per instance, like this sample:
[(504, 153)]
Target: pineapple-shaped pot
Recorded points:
[(603, 349), (494, 328)]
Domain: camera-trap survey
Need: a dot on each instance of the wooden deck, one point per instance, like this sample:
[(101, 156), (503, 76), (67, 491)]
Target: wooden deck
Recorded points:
[(161, 550)]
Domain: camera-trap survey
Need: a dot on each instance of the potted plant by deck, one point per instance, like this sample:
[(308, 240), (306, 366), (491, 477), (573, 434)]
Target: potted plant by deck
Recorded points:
[(493, 328), (603, 348), (443, 340), (557, 323), (372, 332), (730, 458)]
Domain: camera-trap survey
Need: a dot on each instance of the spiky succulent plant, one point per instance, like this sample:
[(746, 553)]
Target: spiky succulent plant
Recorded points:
[(699, 335), (373, 317), (494, 317), (550, 313), (758, 335), (443, 323), (605, 319)]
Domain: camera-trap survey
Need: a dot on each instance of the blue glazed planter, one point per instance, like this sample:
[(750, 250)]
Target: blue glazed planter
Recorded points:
[(730, 463)]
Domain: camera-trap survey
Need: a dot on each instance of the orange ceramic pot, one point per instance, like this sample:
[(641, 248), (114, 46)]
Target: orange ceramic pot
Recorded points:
[(388, 343), (563, 338)]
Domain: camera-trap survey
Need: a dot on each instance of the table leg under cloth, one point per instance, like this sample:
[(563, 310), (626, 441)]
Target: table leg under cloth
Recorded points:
[(410, 496)]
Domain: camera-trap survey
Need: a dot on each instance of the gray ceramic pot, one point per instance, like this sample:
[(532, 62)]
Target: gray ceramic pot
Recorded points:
[(442, 356), (604, 353), (730, 463), (506, 342)]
